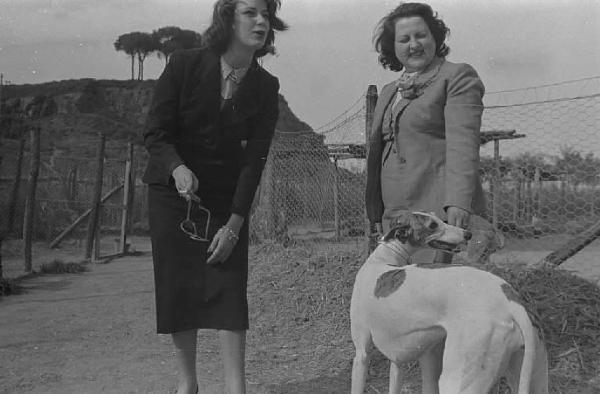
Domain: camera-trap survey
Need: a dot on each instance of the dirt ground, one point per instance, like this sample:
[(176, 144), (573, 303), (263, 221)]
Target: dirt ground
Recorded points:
[(95, 332)]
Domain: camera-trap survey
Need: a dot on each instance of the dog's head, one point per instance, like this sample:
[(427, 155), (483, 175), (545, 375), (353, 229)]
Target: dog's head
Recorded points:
[(421, 229)]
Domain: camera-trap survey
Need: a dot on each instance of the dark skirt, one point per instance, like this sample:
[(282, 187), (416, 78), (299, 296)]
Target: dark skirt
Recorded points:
[(191, 294)]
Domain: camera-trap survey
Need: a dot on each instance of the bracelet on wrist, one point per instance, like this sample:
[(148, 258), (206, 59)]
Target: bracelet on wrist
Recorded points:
[(229, 233)]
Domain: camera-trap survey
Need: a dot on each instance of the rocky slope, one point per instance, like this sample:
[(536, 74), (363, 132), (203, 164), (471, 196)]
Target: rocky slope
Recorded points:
[(73, 112)]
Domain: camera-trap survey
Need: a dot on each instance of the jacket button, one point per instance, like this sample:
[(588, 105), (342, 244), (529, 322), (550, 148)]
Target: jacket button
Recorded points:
[(402, 160)]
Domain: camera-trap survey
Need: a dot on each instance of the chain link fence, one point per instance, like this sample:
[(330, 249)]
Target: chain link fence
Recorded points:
[(539, 165), (313, 183), (65, 190), (546, 182)]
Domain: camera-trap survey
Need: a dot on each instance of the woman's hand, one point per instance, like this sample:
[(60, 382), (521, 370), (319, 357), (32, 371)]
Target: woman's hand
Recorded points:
[(222, 245), (225, 240), (458, 217), (378, 229), (185, 180)]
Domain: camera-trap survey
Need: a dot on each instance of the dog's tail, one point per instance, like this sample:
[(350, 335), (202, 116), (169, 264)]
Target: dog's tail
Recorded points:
[(529, 333)]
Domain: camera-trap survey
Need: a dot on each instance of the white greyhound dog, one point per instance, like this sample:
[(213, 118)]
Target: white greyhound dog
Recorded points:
[(467, 327)]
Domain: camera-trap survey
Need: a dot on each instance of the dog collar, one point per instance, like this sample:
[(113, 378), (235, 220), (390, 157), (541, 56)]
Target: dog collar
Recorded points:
[(398, 250)]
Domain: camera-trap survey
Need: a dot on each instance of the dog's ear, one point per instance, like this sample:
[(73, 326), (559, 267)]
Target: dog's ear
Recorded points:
[(400, 228), (431, 224), (401, 232), (422, 225)]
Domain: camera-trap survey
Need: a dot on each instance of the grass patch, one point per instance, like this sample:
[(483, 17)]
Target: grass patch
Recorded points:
[(59, 267), (9, 287)]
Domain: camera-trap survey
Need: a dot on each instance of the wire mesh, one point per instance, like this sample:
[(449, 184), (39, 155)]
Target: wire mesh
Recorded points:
[(543, 186), (538, 187), (64, 191)]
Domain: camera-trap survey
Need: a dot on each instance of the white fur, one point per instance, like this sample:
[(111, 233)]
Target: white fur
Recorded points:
[(456, 320)]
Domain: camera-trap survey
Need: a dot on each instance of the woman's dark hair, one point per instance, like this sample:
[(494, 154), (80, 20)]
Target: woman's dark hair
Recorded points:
[(385, 32), (218, 34)]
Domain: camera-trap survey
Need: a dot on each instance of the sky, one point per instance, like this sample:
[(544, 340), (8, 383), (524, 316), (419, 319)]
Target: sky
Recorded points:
[(326, 60)]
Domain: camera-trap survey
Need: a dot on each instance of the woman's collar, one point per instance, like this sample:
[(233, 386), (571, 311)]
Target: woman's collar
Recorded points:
[(226, 69)]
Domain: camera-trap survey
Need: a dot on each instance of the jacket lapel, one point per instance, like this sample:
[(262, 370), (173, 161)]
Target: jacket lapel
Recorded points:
[(207, 82), (246, 99), (383, 102), (421, 83)]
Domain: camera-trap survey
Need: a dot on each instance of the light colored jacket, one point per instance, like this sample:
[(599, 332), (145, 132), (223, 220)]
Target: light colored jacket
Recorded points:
[(437, 139)]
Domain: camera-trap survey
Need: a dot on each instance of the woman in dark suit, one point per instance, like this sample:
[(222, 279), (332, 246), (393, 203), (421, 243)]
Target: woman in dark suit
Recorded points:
[(424, 147), (208, 134)]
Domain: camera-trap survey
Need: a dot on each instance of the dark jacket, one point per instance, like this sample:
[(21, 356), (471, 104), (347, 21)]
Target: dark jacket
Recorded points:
[(225, 148)]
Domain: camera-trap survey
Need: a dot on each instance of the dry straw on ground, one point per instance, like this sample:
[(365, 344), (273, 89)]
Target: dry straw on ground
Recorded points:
[(300, 299), (567, 308)]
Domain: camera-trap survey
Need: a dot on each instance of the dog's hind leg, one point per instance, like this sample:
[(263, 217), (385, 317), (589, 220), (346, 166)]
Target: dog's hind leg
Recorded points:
[(473, 357), (431, 368)]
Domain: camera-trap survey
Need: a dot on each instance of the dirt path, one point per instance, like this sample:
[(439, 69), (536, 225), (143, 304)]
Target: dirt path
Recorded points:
[(92, 333), (95, 332)]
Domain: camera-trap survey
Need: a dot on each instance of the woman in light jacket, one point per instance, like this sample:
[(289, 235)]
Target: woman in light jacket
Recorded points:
[(424, 147)]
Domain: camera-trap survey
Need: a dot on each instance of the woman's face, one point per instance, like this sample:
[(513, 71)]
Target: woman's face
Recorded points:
[(414, 44), (251, 23)]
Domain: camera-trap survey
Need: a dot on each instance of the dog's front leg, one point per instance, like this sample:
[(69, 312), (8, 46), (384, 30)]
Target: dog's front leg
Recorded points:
[(431, 368), (395, 384), (360, 367)]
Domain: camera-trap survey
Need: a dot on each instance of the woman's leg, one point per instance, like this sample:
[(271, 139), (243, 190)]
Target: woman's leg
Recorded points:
[(233, 353), (185, 358)]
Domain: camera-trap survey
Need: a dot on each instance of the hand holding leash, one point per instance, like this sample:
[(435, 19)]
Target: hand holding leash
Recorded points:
[(378, 229), (185, 180), (458, 217)]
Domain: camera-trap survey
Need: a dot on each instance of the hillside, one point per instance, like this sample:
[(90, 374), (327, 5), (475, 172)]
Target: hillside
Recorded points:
[(75, 111)]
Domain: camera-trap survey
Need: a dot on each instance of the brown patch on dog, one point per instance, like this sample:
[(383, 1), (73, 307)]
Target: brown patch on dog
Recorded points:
[(432, 266), (389, 282)]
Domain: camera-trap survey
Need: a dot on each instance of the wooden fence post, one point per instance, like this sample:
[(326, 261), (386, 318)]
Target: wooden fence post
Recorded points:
[(95, 214), (2, 235), (494, 184), (126, 200), (73, 183), (537, 204), (96, 244), (130, 217), (371, 101), (30, 201), (14, 194), (1, 269), (517, 199), (336, 199)]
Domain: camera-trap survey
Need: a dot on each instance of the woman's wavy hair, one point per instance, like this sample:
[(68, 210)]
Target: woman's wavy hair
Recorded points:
[(385, 32), (218, 34)]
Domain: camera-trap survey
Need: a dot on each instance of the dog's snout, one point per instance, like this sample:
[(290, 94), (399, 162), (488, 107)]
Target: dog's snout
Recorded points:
[(468, 235)]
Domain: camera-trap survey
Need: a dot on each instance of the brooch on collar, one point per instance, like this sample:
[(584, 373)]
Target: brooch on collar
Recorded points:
[(406, 86)]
